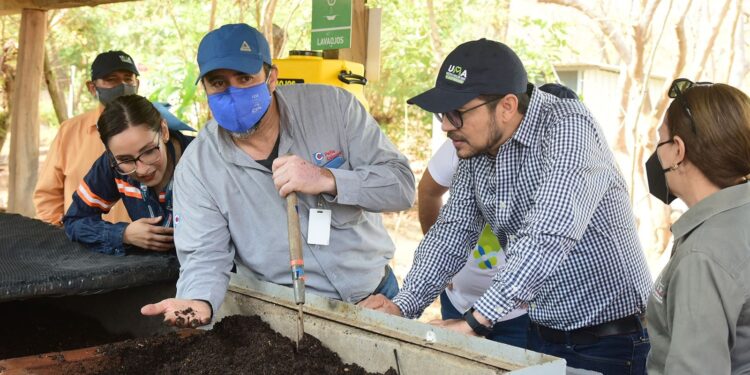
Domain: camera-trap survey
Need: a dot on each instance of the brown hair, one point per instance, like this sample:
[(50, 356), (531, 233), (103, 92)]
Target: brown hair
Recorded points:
[(720, 145)]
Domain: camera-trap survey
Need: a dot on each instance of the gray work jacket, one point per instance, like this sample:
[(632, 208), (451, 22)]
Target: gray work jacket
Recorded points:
[(699, 311), (227, 208)]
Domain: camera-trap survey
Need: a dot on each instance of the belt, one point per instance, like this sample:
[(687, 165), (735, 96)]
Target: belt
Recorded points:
[(590, 335)]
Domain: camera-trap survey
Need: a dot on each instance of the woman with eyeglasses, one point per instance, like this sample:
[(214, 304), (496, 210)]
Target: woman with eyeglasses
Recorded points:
[(137, 166), (699, 311)]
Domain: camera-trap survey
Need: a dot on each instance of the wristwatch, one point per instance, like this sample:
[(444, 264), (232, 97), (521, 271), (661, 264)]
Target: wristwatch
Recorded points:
[(478, 328)]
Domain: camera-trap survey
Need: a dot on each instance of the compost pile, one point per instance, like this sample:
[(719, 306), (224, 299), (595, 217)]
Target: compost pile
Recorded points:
[(236, 345)]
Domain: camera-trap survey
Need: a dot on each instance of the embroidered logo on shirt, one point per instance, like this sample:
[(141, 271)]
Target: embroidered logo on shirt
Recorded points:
[(659, 291), (176, 220), (328, 159)]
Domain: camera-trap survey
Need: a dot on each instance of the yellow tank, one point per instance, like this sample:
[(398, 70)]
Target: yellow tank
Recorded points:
[(311, 67)]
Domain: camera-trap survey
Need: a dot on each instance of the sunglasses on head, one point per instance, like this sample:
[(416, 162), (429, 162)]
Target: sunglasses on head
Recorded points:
[(677, 91), (455, 117)]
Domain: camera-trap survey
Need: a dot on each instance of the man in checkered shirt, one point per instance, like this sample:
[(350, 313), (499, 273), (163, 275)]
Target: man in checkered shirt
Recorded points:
[(539, 171)]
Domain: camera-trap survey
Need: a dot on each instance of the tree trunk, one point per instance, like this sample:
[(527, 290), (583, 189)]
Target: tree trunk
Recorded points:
[(266, 23), (9, 76), (212, 19), (57, 96)]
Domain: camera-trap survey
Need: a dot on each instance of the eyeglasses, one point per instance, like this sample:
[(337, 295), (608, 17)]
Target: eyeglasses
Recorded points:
[(148, 157), (455, 117), (677, 91)]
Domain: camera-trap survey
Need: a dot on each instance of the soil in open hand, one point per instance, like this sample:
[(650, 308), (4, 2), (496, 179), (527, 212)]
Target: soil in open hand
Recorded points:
[(236, 345)]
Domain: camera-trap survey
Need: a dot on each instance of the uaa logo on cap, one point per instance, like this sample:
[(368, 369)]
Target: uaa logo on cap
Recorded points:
[(456, 74)]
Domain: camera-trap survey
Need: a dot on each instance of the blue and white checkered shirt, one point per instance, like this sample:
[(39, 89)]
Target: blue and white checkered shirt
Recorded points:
[(557, 201)]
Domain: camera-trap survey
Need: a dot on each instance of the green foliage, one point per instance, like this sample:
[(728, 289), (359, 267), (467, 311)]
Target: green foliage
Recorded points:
[(163, 36), (541, 47)]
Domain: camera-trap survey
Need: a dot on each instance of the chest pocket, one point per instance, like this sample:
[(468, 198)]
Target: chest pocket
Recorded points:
[(342, 216), (345, 216)]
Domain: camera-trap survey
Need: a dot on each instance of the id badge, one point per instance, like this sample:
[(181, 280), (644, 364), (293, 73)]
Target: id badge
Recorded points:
[(319, 226)]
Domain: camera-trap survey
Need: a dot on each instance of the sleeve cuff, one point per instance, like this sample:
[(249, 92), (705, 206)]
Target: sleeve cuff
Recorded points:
[(113, 236), (408, 304), (492, 307), (348, 186)]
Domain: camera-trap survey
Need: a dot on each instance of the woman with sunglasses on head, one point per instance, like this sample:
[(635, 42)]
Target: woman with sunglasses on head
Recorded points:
[(137, 166), (699, 311)]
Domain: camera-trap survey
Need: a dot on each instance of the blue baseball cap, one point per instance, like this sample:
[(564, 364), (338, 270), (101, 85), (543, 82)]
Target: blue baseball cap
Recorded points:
[(235, 46)]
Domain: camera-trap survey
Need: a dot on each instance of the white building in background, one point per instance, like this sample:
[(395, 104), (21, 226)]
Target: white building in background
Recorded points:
[(598, 87)]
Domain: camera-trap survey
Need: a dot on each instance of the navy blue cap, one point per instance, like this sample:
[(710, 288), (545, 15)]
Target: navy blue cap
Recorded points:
[(110, 61), (173, 123), (236, 46), (479, 67)]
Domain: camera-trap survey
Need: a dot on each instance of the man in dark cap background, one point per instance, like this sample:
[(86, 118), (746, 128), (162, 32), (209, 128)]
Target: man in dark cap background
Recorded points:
[(77, 143), (539, 171)]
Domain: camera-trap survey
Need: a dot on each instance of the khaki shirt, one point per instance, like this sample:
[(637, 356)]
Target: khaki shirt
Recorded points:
[(699, 311), (75, 148)]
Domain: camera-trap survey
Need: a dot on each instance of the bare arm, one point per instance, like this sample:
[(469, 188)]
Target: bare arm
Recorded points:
[(430, 198)]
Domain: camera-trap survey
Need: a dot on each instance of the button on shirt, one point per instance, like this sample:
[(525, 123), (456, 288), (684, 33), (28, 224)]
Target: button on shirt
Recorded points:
[(559, 205)]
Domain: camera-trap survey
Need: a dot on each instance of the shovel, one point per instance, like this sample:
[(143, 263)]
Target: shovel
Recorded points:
[(295, 260)]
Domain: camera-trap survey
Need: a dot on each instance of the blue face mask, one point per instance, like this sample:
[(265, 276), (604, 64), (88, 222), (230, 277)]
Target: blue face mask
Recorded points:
[(240, 109)]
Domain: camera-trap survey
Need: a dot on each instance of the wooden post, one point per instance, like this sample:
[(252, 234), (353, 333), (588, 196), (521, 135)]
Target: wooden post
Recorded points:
[(358, 52), (24, 125)]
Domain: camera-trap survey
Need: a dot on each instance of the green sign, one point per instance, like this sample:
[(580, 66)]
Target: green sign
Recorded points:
[(331, 24)]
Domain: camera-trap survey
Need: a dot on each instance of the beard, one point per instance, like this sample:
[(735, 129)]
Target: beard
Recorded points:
[(244, 135), (467, 150)]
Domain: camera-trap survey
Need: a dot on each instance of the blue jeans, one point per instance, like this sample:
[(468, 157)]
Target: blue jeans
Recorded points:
[(512, 332), (616, 355), (389, 285)]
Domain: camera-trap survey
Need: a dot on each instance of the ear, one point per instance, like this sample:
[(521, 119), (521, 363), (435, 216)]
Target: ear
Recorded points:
[(137, 84), (273, 76), (679, 150), (91, 87), (164, 131), (508, 106)]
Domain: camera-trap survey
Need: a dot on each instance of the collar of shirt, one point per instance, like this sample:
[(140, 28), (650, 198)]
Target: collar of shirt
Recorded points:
[(716, 203), (92, 117), (539, 103)]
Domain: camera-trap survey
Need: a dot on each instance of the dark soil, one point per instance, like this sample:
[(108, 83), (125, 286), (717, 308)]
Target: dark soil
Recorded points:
[(235, 345), (30, 327)]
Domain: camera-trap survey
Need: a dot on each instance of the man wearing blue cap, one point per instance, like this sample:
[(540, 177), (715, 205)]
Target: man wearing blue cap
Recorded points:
[(539, 171), (264, 143)]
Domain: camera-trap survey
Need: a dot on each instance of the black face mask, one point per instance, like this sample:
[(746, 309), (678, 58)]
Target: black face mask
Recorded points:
[(105, 96), (657, 179)]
